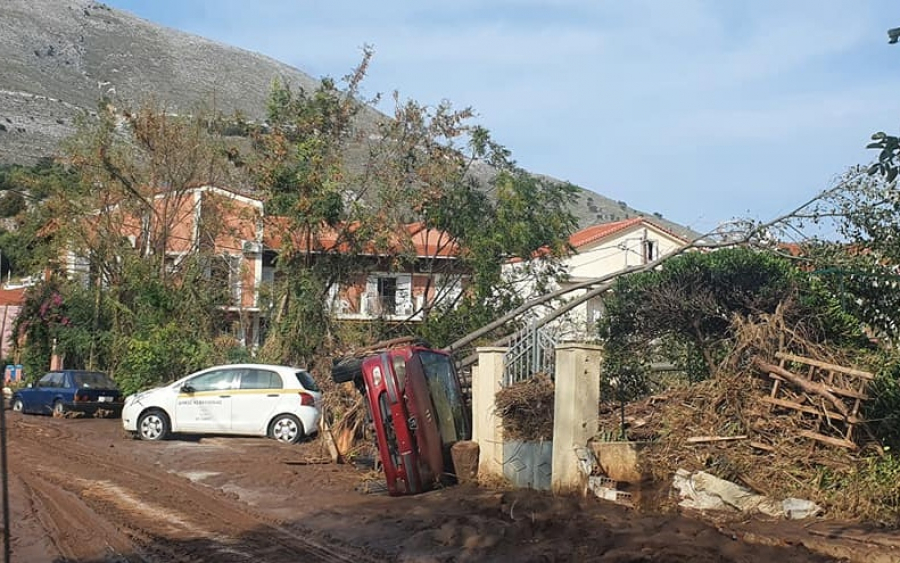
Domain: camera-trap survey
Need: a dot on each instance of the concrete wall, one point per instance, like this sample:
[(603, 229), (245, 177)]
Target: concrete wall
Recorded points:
[(487, 429), (576, 420), (576, 412)]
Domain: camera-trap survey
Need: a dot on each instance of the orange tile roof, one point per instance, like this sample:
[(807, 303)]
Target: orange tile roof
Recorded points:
[(426, 242), (596, 232)]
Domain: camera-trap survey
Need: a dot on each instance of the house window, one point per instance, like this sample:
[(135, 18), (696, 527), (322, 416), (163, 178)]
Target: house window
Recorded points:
[(225, 273), (447, 291), (389, 295), (650, 250)]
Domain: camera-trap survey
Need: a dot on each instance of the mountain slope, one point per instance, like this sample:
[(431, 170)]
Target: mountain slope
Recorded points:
[(60, 56)]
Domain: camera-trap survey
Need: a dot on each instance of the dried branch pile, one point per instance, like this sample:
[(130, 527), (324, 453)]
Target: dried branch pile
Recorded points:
[(526, 409), (731, 426)]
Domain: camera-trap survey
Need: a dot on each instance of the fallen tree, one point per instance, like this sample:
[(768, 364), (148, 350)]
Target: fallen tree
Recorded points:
[(758, 235)]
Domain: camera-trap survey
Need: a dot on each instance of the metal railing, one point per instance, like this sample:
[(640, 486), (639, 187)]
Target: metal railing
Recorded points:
[(530, 352)]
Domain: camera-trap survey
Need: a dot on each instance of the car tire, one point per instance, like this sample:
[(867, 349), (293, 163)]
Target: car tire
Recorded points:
[(346, 370), (18, 405), (153, 425), (286, 428), (59, 409)]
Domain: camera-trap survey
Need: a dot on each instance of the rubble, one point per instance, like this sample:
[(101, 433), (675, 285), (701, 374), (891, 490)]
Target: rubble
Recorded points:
[(783, 418)]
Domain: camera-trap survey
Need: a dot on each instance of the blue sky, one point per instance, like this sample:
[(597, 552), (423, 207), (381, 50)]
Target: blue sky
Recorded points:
[(702, 110)]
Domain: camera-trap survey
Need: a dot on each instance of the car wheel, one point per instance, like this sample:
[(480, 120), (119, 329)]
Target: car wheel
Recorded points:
[(286, 428), (59, 409), (18, 405), (153, 425)]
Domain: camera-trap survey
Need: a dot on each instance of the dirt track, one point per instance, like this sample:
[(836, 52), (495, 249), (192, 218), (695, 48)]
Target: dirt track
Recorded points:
[(81, 491)]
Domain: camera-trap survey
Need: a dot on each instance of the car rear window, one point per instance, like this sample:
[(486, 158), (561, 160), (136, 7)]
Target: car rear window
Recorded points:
[(306, 380), (93, 380), (260, 379)]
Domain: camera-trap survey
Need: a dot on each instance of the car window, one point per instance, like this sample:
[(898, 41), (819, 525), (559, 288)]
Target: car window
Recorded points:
[(93, 380), (444, 389), (260, 379), (212, 381), (52, 379), (306, 380)]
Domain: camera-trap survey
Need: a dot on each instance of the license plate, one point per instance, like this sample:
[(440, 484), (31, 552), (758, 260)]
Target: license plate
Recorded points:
[(105, 399)]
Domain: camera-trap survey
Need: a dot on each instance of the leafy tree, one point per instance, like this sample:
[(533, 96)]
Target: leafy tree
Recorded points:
[(333, 192), (133, 306), (40, 323), (24, 188), (330, 179), (863, 264), (682, 311)]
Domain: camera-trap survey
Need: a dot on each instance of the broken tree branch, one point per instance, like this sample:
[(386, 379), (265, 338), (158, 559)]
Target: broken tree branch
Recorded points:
[(602, 284), (710, 439)]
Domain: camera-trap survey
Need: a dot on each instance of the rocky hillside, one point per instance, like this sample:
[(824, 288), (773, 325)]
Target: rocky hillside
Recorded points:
[(60, 56)]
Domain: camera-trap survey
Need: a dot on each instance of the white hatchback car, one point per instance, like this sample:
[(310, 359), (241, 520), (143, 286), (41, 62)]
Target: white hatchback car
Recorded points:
[(280, 402)]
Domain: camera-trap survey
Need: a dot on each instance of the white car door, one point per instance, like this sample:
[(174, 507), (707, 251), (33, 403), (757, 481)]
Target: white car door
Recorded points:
[(204, 402), (255, 400)]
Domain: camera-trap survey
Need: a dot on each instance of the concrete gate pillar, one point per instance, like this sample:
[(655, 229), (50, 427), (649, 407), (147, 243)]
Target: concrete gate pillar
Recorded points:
[(487, 428), (575, 411)]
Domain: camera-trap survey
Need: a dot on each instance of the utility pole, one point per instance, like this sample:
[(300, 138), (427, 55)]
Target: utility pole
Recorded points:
[(4, 469), (4, 474)]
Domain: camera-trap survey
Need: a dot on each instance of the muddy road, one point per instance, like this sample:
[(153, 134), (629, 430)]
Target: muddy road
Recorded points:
[(81, 491)]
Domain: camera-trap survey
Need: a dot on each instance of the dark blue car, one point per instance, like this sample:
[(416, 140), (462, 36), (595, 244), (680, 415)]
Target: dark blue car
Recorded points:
[(59, 392)]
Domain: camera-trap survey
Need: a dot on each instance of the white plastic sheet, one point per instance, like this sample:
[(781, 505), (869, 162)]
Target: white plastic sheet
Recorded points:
[(703, 491)]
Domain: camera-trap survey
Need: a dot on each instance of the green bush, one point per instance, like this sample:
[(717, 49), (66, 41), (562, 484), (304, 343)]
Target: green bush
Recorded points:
[(883, 410), (682, 312), (162, 355), (11, 204)]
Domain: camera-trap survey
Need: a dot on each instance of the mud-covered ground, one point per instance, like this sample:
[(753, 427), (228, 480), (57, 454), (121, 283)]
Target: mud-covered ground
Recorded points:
[(81, 491)]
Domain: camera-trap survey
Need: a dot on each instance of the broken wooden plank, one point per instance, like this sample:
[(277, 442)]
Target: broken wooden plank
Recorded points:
[(811, 410), (708, 439), (761, 446), (828, 440), (824, 365), (803, 383), (847, 392), (328, 437), (836, 390)]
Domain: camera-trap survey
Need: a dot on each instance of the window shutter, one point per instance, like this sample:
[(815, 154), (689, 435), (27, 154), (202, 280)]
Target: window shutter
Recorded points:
[(370, 299), (403, 302)]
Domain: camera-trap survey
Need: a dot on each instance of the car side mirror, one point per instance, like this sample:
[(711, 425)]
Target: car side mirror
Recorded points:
[(187, 389)]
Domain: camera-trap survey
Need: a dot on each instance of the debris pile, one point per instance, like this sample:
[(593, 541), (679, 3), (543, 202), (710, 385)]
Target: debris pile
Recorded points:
[(526, 409), (783, 424)]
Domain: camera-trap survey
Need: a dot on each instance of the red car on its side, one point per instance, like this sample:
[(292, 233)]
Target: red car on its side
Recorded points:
[(417, 408)]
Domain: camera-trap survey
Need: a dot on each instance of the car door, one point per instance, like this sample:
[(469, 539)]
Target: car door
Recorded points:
[(204, 402), (31, 397), (255, 400), (49, 391)]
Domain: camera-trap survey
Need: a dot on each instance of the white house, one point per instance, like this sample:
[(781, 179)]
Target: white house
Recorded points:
[(601, 250)]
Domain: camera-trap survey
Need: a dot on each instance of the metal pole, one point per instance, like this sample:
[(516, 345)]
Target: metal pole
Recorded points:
[(4, 477)]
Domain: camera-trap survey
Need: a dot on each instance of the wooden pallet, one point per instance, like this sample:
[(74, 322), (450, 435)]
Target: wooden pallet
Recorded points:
[(847, 385)]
